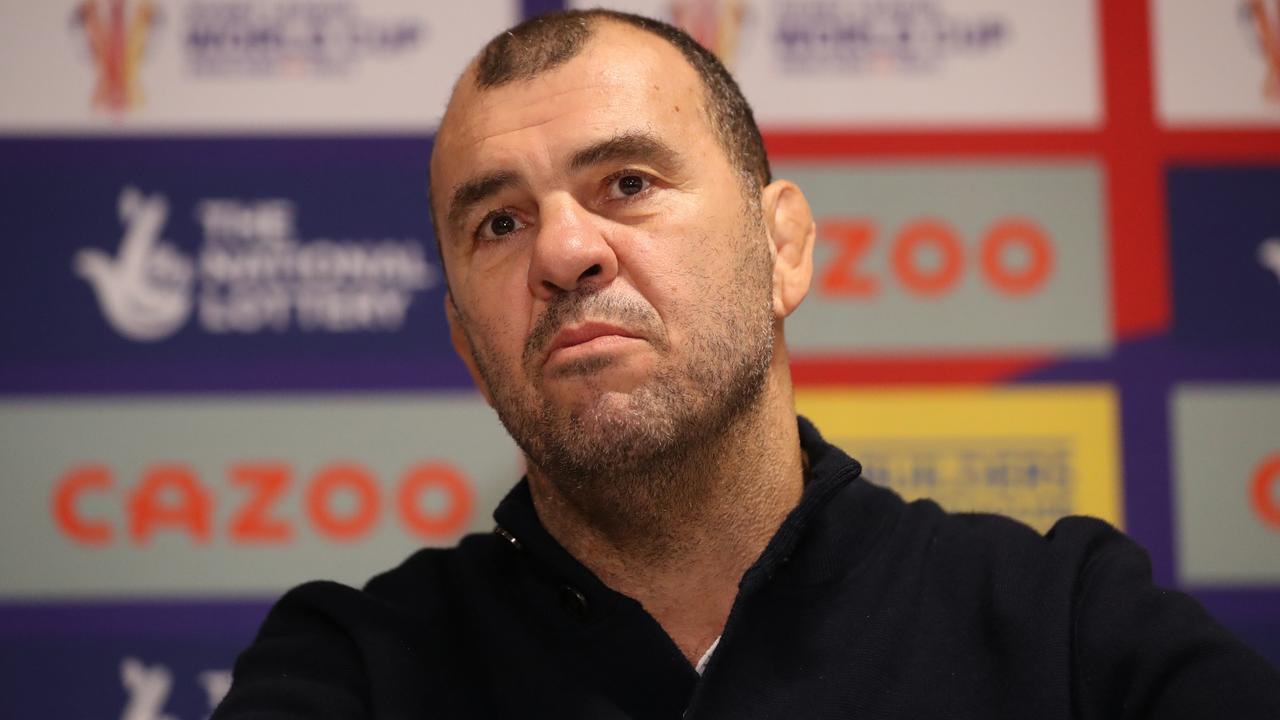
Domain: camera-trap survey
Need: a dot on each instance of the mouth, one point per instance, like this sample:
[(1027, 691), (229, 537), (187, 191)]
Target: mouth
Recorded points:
[(577, 341)]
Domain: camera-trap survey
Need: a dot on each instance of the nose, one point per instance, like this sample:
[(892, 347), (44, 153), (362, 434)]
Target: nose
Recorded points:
[(570, 251)]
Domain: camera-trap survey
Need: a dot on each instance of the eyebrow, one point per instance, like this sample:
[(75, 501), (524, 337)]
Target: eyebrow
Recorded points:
[(477, 190), (633, 146)]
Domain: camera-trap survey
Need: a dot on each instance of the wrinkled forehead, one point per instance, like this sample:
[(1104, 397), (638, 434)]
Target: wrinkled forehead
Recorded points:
[(621, 75)]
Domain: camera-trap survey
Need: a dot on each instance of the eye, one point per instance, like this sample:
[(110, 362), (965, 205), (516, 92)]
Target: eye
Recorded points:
[(627, 184), (496, 224)]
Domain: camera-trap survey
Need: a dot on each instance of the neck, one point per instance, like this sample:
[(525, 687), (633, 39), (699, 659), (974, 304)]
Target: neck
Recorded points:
[(681, 546)]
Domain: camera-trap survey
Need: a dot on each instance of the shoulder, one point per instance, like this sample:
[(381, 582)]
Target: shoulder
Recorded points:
[(420, 586), (1072, 542), (1081, 594), (1032, 573), (330, 650)]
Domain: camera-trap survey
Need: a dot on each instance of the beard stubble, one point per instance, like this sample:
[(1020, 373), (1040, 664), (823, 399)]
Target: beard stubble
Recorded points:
[(611, 458)]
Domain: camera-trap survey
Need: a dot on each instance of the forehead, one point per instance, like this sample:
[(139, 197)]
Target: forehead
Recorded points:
[(623, 78)]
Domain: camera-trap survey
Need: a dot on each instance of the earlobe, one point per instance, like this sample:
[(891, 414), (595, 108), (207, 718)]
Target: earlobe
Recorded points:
[(792, 234), (462, 346)]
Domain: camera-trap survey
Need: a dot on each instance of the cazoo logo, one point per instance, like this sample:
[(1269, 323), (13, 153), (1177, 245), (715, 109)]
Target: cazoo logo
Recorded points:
[(1264, 491), (251, 273), (269, 503), (927, 258)]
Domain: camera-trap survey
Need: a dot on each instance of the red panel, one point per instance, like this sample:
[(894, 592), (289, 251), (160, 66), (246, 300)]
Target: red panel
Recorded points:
[(1219, 146), (1135, 188), (988, 145)]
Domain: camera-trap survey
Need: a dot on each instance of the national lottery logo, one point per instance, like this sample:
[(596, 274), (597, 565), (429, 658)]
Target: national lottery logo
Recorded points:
[(715, 24), (1264, 21), (251, 273), (148, 687), (879, 35), (144, 290), (116, 33)]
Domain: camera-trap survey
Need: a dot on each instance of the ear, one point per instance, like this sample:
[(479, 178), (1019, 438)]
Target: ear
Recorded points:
[(462, 346), (792, 232)]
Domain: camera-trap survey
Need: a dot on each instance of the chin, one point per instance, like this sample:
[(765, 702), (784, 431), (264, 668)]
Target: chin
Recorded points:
[(609, 429)]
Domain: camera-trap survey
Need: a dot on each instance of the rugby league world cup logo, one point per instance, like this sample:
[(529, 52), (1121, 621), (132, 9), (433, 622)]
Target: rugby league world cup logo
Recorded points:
[(715, 24), (116, 34), (1266, 24)]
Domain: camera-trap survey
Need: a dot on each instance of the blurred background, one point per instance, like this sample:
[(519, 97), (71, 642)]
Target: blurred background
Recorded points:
[(1048, 282)]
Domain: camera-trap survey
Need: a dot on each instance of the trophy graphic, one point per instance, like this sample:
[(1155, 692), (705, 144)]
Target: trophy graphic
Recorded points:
[(116, 40)]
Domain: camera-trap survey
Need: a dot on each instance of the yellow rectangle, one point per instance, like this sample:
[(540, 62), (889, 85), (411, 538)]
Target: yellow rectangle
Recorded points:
[(1031, 453)]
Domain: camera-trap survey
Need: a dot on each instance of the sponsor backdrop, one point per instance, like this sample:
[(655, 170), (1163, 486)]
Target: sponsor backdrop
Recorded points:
[(1048, 282)]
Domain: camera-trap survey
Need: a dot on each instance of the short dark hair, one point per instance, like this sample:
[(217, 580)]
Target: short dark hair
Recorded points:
[(546, 41)]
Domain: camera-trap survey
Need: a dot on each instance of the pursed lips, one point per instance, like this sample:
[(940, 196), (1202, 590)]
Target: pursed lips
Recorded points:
[(583, 333)]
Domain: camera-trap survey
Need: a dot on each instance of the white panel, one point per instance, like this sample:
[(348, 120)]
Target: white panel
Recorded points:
[(1212, 65), (902, 62), (238, 496), (233, 66)]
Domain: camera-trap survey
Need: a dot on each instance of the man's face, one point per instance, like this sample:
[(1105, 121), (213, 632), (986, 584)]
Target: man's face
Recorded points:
[(612, 282)]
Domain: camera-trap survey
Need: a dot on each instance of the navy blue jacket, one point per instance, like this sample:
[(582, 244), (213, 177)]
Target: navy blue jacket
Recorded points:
[(862, 606)]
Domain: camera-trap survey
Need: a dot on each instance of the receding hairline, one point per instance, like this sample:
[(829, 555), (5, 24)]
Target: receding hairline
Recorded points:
[(546, 42), (473, 76), (591, 21)]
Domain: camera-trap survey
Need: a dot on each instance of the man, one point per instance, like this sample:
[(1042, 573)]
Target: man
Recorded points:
[(620, 266)]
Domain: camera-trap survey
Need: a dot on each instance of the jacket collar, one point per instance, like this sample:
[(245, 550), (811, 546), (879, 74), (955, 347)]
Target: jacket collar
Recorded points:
[(833, 526), (838, 514)]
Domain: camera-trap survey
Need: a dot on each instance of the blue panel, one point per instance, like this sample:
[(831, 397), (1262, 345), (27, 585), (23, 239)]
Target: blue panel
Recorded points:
[(1224, 229), (144, 265), (531, 8), (166, 660)]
